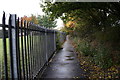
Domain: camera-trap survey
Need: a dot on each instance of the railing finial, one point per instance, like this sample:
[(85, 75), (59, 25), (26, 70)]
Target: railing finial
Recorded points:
[(3, 19)]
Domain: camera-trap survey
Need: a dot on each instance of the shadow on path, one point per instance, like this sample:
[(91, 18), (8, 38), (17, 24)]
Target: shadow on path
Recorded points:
[(64, 64)]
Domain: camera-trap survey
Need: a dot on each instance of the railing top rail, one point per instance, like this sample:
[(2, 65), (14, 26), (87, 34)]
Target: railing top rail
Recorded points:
[(41, 28)]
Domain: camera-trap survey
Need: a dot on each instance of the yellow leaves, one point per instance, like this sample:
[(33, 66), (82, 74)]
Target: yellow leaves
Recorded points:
[(95, 71), (112, 69), (109, 77), (70, 24), (97, 68), (84, 69)]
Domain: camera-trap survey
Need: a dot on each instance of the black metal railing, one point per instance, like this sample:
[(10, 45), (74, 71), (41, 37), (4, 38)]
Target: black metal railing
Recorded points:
[(25, 50)]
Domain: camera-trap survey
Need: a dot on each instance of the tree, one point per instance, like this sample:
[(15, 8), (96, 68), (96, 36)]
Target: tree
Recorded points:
[(90, 18), (46, 22)]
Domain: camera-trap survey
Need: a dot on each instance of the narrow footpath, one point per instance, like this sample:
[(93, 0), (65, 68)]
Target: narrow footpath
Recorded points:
[(64, 64)]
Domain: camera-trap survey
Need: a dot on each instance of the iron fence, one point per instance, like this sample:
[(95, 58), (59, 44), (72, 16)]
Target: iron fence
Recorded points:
[(26, 49)]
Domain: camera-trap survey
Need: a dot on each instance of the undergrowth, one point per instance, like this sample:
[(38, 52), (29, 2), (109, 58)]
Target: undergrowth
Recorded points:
[(97, 60)]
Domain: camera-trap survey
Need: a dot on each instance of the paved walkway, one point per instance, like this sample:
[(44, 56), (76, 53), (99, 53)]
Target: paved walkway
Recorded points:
[(64, 64)]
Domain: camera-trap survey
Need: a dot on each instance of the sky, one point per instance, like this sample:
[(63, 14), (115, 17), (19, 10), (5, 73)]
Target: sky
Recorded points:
[(22, 7)]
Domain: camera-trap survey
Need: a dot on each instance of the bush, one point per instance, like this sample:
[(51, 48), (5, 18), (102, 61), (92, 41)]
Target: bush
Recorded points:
[(99, 55), (103, 57), (58, 43), (84, 47)]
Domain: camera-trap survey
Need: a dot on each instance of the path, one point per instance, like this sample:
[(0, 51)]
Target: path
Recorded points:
[(64, 64)]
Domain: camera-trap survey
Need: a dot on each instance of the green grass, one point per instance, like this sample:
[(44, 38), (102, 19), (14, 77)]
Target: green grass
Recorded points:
[(2, 58), (1, 53), (1, 48)]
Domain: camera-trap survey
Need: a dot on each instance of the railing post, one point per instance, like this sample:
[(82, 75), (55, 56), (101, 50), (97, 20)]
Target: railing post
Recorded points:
[(14, 46), (5, 48), (54, 40)]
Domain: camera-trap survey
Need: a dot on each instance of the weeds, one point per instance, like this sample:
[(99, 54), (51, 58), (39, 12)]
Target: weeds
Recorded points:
[(97, 61), (100, 55)]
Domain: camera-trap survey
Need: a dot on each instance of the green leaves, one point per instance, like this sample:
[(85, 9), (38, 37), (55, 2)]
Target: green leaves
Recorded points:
[(46, 21)]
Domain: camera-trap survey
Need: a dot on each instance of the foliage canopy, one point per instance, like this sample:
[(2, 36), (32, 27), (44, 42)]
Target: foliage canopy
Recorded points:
[(91, 19)]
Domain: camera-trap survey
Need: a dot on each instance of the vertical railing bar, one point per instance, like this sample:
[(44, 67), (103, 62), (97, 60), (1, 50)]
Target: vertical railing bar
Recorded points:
[(23, 67), (25, 50), (44, 50), (11, 50), (5, 47), (30, 54), (45, 42), (16, 45), (40, 49), (34, 47), (44, 57), (18, 48), (35, 54), (54, 42), (48, 45), (36, 51), (28, 50), (38, 45)]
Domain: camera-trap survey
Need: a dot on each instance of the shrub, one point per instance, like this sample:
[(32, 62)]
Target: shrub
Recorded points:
[(58, 43), (103, 57), (84, 47), (100, 55)]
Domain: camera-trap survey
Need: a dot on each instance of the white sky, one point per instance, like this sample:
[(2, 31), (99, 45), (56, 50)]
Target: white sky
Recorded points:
[(22, 7)]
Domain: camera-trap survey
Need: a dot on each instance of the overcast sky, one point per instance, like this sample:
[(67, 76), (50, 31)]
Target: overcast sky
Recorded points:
[(21, 8)]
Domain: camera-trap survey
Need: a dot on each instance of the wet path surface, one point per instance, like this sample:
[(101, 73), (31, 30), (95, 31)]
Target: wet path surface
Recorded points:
[(64, 64)]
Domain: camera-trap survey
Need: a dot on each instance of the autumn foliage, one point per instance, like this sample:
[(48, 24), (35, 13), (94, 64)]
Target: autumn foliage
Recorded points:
[(32, 18)]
